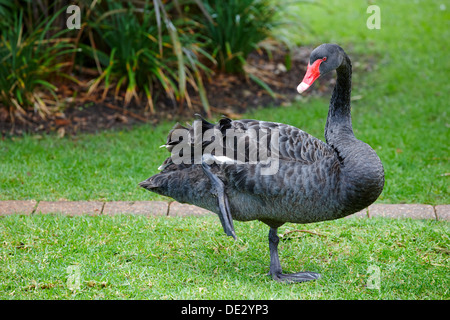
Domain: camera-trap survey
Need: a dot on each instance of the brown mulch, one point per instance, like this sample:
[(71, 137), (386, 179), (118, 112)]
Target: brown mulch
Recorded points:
[(229, 95)]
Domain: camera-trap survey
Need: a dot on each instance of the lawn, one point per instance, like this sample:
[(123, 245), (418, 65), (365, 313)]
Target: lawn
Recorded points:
[(401, 110), (129, 257)]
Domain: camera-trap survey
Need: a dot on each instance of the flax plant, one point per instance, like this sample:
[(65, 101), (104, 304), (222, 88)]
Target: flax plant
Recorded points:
[(145, 50), (28, 59)]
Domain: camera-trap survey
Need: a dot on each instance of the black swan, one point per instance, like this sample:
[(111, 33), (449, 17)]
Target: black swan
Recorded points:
[(311, 180)]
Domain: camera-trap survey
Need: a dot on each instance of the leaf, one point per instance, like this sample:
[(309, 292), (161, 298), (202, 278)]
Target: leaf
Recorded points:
[(61, 132), (177, 49), (158, 24), (46, 84), (262, 84)]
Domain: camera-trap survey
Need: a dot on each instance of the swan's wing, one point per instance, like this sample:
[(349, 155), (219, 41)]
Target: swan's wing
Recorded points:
[(303, 163), (301, 157), (243, 141), (293, 144)]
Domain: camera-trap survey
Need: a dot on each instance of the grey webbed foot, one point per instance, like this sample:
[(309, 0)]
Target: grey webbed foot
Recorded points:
[(296, 277), (275, 267)]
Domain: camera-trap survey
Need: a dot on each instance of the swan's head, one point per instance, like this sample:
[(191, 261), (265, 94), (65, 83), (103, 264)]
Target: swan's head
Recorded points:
[(323, 59)]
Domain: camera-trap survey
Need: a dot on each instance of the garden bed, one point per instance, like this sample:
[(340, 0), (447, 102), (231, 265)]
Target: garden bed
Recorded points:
[(228, 94)]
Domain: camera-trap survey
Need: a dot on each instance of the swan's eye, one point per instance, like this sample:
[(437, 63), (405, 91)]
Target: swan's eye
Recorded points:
[(324, 59)]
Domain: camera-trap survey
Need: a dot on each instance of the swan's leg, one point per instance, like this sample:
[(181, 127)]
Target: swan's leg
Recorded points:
[(222, 200), (275, 267)]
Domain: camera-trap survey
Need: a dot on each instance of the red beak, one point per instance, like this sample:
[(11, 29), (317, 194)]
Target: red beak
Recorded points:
[(312, 73)]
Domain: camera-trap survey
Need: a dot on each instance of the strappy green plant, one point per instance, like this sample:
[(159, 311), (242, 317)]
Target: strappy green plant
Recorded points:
[(144, 50), (28, 60), (235, 28)]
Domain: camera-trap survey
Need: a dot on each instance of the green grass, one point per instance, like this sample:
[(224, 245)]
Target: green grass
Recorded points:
[(129, 257), (106, 166)]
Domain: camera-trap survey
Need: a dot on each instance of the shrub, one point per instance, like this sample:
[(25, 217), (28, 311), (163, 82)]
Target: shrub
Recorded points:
[(28, 59), (235, 28), (146, 47), (144, 50)]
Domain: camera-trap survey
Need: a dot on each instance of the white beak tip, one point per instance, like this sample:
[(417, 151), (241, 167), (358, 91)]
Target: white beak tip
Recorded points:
[(302, 87)]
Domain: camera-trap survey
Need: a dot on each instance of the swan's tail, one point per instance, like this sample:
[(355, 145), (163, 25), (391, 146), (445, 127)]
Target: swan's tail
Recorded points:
[(173, 176), (148, 184), (184, 140)]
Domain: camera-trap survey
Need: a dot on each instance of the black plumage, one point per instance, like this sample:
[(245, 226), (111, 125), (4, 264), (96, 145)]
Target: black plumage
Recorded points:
[(315, 181)]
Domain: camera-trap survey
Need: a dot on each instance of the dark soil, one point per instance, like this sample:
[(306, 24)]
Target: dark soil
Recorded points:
[(229, 95)]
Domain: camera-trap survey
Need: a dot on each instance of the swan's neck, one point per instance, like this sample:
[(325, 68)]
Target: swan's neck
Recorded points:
[(339, 122), (362, 171)]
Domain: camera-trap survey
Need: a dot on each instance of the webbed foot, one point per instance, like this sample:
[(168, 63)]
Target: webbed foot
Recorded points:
[(296, 277)]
